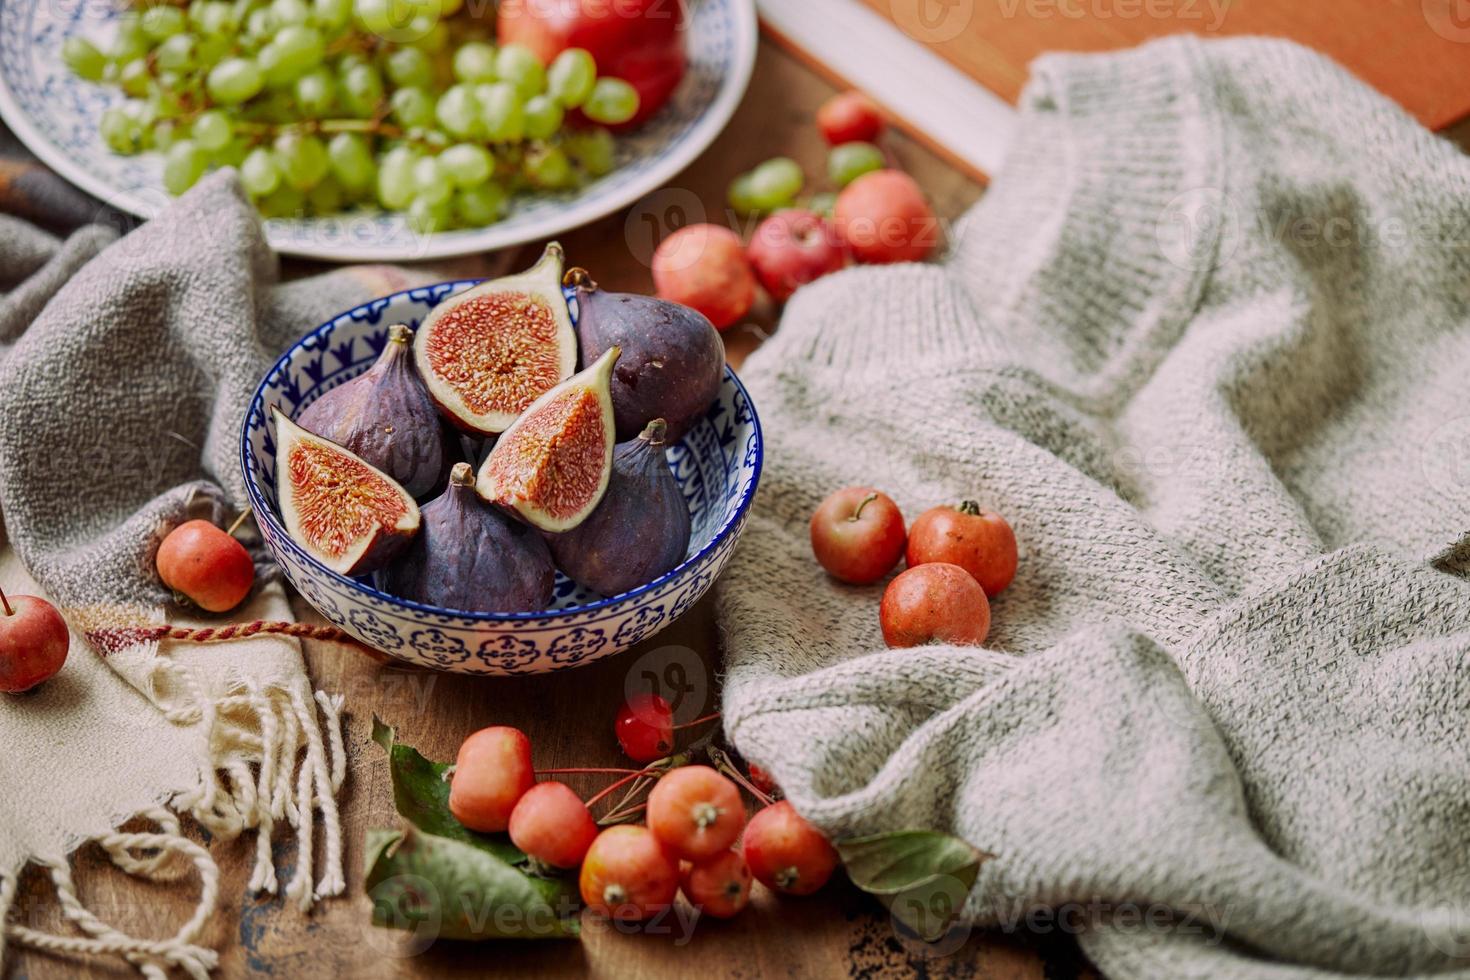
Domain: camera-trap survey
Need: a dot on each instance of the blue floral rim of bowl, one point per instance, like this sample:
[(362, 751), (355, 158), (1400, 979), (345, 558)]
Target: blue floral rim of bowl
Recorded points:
[(255, 415)]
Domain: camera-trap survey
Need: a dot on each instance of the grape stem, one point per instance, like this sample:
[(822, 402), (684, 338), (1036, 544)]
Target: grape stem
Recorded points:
[(373, 126)]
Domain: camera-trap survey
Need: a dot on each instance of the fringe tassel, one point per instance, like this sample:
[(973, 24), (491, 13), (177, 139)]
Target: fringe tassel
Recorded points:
[(163, 855), (268, 763)]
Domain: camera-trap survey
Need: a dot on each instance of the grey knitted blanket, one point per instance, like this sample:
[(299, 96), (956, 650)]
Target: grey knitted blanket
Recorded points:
[(1205, 344)]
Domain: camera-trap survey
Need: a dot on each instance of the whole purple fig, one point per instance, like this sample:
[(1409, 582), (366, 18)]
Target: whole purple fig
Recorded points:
[(672, 364), (386, 416), (471, 557), (641, 528)]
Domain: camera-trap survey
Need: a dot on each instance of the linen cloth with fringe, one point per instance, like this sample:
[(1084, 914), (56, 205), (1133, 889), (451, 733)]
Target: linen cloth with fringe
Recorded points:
[(126, 364)]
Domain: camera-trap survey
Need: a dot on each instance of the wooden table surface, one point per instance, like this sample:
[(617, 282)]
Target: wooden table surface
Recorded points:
[(840, 932)]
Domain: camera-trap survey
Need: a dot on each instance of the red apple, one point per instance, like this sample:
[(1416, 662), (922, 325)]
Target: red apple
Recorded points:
[(883, 217), (33, 642), (792, 248), (857, 535), (704, 267), (849, 117), (639, 41)]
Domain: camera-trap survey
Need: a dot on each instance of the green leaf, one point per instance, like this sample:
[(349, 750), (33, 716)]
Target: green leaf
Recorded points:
[(446, 889), (421, 794), (923, 876)]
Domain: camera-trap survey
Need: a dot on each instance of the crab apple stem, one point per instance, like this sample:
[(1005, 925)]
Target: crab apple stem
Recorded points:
[(6, 603), (639, 786), (653, 768), (969, 507), (713, 716), (240, 520), (748, 786), (618, 816), (574, 770), (603, 793), (724, 765), (865, 502)]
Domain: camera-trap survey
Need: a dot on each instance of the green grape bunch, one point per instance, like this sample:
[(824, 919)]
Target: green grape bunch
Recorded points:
[(329, 105)]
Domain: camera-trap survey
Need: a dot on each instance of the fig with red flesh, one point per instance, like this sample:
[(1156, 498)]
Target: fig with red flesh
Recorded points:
[(470, 556), (673, 359), (486, 354), (552, 465), (641, 528), (387, 418), (349, 515)]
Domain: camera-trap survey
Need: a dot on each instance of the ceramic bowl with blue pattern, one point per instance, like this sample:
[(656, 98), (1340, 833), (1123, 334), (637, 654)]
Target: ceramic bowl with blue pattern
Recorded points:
[(717, 464), (56, 114)]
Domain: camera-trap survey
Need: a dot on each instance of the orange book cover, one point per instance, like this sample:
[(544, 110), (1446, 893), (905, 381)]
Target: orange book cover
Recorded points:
[(1415, 51)]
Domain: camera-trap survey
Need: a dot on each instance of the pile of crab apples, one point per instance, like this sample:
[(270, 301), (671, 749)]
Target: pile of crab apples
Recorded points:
[(959, 558), (693, 837)]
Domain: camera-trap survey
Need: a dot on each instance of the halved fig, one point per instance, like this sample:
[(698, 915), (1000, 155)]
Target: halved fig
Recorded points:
[(488, 353), (553, 464), (386, 417), (350, 516)]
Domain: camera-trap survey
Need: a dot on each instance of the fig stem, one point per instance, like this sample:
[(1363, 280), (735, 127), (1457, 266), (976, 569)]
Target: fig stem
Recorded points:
[(580, 277), (656, 432), (969, 507), (240, 520), (6, 603), (857, 514), (698, 721)]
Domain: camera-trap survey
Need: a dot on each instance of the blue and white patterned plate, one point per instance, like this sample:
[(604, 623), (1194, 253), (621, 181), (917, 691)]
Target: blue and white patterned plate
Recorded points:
[(56, 115), (717, 464)]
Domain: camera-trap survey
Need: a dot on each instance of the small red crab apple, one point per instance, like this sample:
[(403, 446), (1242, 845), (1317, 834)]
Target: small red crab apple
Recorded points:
[(720, 886), (934, 603), (628, 875), (695, 812), (206, 564), (849, 116), (786, 853), (491, 773), (553, 825), (645, 727), (857, 535), (33, 642)]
